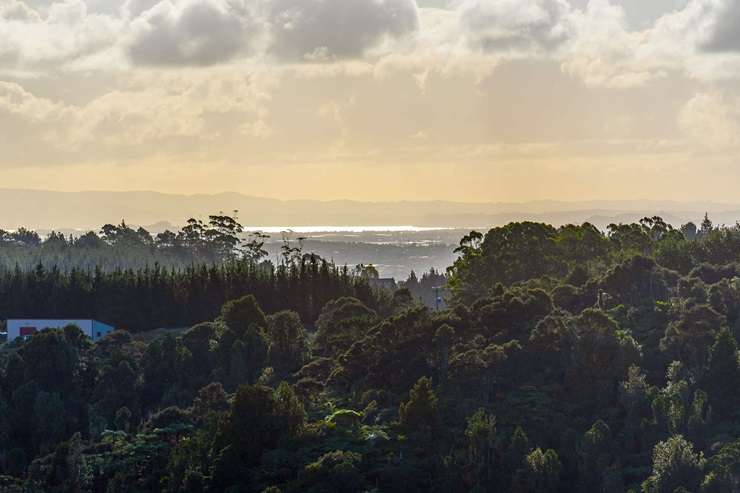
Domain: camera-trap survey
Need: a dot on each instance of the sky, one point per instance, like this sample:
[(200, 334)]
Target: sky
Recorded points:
[(467, 100)]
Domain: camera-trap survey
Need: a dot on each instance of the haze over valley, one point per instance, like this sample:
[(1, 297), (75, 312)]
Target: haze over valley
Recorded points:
[(61, 211)]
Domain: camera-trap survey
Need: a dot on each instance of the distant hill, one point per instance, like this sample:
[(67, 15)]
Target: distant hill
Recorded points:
[(44, 210)]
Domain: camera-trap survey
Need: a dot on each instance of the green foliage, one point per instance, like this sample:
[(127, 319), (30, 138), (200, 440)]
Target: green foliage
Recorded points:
[(516, 252), (258, 420), (615, 351), (481, 434), (482, 447), (541, 472), (675, 465), (336, 471), (345, 418), (420, 413), (517, 450), (152, 296), (723, 373), (690, 337), (239, 315), (48, 414), (342, 322), (602, 354), (594, 457), (723, 470), (50, 361), (288, 342)]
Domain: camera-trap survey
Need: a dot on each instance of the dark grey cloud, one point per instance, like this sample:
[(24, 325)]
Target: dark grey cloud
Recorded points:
[(724, 36), (207, 32), (197, 32), (641, 14), (336, 29), (503, 25)]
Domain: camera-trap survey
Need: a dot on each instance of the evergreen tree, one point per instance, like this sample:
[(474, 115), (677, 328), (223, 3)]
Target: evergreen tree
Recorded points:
[(723, 373), (675, 465), (420, 413)]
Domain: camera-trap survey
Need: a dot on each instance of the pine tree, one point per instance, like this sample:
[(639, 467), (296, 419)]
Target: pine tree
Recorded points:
[(706, 226)]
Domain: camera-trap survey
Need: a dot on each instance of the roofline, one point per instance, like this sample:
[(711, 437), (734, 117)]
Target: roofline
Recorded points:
[(57, 320)]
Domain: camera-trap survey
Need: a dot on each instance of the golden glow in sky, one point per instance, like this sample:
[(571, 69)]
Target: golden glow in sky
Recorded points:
[(470, 100)]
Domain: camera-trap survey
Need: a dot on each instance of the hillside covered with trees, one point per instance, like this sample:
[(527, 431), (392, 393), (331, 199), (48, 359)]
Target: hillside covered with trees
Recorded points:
[(567, 360)]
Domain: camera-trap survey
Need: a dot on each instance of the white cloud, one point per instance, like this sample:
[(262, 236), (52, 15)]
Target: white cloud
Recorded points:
[(712, 121), (155, 111), (66, 31), (15, 100), (604, 52)]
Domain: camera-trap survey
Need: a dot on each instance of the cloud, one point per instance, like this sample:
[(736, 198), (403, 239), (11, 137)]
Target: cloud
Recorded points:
[(711, 120), (323, 30), (134, 8), (104, 34), (168, 112), (65, 32), (604, 52), (724, 26), (16, 10), (700, 40), (591, 39), (14, 100), (191, 32), (502, 25)]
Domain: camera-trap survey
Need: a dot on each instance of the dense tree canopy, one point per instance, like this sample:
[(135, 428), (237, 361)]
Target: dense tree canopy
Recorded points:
[(566, 360)]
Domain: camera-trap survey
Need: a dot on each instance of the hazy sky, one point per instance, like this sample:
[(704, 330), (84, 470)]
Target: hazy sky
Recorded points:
[(478, 100)]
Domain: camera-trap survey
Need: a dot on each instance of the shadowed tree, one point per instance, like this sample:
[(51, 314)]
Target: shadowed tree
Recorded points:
[(602, 354), (540, 474), (723, 374), (239, 315), (420, 413), (690, 338), (288, 342)]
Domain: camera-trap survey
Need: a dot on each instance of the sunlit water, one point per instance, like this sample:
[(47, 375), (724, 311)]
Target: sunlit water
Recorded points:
[(342, 229)]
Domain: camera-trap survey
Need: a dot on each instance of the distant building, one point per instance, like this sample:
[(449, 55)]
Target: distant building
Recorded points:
[(383, 283), (28, 327)]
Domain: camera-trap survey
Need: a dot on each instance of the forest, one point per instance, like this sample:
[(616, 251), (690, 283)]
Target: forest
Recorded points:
[(564, 359), (121, 247), (138, 282)]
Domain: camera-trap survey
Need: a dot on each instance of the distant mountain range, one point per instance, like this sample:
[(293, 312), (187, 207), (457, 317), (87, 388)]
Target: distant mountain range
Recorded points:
[(44, 210)]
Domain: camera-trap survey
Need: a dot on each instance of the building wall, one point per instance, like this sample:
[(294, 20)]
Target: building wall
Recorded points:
[(15, 327), (99, 330)]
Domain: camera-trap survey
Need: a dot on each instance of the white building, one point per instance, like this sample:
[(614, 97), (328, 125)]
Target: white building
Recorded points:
[(26, 328)]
